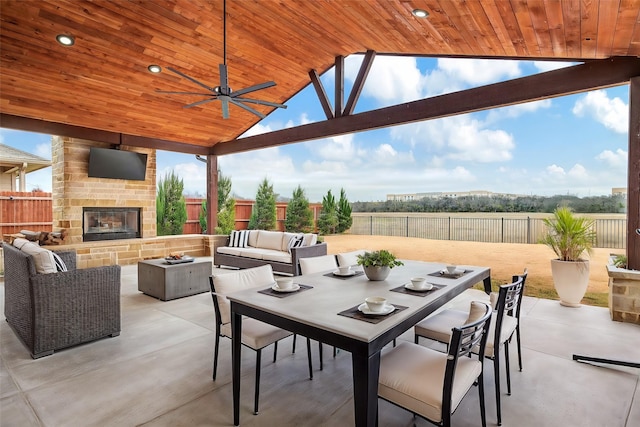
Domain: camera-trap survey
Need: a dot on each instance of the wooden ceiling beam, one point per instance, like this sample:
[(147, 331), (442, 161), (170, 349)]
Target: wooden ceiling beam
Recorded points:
[(339, 89), (358, 84), (321, 93), (580, 78), (51, 128)]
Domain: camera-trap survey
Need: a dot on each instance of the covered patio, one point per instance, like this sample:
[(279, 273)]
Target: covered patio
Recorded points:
[(158, 373)]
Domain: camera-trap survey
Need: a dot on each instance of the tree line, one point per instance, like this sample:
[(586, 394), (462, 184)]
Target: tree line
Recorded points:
[(171, 211), (592, 204)]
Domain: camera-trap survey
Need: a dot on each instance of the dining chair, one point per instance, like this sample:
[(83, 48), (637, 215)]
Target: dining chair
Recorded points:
[(432, 384), (503, 325), (349, 258), (255, 334), (317, 264)]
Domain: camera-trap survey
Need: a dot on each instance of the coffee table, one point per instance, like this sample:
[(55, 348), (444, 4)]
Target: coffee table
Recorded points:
[(158, 278)]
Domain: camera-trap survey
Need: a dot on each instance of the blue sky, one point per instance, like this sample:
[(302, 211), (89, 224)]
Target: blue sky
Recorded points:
[(571, 145)]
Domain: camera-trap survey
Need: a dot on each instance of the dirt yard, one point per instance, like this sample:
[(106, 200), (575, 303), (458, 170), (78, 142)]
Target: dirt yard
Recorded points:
[(504, 259)]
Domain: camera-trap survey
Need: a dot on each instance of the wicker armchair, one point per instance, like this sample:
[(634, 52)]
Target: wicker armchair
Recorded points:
[(57, 310)]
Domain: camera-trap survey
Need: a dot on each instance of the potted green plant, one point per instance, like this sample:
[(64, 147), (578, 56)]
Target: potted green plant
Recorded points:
[(378, 264), (569, 237)]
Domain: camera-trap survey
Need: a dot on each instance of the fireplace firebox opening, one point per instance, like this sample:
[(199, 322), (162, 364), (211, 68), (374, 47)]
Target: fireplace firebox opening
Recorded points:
[(110, 223)]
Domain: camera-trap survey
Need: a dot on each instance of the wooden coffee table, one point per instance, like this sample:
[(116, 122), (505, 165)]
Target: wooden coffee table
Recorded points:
[(158, 278)]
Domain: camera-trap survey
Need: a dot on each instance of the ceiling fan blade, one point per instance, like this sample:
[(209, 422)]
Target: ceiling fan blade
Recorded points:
[(224, 80), (225, 105), (246, 107), (191, 79), (182, 93), (260, 102), (254, 88), (204, 101)]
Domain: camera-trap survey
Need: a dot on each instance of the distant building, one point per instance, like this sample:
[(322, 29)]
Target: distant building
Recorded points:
[(15, 165), (619, 191), (450, 194)]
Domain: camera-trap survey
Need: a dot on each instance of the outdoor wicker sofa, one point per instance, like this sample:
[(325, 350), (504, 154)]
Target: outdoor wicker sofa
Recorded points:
[(260, 247), (52, 311)]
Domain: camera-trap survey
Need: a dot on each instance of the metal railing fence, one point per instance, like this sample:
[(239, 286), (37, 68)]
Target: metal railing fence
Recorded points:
[(610, 233)]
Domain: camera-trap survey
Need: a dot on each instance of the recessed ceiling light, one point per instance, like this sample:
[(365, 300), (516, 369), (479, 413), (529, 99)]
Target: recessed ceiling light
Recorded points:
[(154, 69), (420, 13), (65, 40)]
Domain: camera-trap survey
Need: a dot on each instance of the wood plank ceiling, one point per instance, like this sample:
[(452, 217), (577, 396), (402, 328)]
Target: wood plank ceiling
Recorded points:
[(102, 83)]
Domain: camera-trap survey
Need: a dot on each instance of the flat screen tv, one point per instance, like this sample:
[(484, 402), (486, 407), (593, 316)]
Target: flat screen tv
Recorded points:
[(117, 164)]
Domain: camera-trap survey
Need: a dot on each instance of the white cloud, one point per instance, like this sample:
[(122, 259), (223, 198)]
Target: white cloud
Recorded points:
[(477, 72), (617, 159), (514, 111), (391, 79), (458, 138), (44, 150), (544, 66), (612, 113)]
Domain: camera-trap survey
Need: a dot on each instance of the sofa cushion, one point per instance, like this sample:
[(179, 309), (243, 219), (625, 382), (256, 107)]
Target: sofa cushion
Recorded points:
[(43, 258), (238, 238), (277, 256), (270, 240), (310, 239), (229, 251), (256, 253), (253, 237)]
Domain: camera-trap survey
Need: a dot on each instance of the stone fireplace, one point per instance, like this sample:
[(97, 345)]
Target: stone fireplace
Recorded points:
[(121, 209), (110, 223)]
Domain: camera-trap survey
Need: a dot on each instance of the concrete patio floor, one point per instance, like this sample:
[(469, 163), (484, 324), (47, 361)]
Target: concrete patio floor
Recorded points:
[(158, 373)]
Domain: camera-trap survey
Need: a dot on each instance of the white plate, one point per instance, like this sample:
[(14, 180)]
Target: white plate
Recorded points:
[(425, 289), (457, 271), (350, 273), (294, 288), (388, 308)]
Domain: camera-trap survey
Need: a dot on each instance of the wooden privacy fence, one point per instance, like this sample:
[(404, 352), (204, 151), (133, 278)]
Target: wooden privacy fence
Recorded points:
[(25, 211), (243, 214)]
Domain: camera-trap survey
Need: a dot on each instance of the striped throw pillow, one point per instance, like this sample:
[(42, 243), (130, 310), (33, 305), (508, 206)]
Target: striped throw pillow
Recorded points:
[(239, 238), (60, 265), (295, 242)]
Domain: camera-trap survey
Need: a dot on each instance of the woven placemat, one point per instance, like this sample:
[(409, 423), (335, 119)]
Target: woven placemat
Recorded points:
[(449, 276), (277, 294), (354, 313), (337, 276), (404, 290)]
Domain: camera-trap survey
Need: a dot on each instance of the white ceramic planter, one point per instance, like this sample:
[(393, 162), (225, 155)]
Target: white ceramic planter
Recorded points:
[(570, 279)]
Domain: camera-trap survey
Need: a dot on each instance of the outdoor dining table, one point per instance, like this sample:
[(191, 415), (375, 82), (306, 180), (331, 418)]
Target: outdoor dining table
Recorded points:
[(326, 309)]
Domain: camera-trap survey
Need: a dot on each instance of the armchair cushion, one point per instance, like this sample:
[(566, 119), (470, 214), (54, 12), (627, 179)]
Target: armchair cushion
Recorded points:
[(43, 258)]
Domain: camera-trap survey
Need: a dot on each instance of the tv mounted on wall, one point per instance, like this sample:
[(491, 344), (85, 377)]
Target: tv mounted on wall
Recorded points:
[(117, 164)]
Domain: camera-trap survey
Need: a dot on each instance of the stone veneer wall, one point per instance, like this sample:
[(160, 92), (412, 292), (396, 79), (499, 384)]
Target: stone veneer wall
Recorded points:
[(624, 294), (73, 189)]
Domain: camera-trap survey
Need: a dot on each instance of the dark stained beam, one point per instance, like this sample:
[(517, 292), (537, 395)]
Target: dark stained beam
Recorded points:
[(51, 128), (339, 95), (633, 177), (322, 94), (580, 78), (212, 194), (367, 61)]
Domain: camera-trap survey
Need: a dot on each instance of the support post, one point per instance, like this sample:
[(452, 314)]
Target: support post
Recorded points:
[(212, 193), (633, 176)]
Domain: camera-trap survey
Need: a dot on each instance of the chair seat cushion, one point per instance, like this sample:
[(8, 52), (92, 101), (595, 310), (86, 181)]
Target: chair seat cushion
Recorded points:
[(412, 376), (438, 327), (256, 334)]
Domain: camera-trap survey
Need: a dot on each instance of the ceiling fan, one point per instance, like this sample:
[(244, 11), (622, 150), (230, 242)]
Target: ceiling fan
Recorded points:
[(223, 92)]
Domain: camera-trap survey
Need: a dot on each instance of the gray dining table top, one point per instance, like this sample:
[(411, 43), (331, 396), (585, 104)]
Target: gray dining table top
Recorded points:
[(319, 307)]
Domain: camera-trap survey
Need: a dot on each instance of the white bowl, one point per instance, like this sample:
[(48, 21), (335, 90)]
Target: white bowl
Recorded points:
[(451, 269), (284, 282), (376, 304)]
